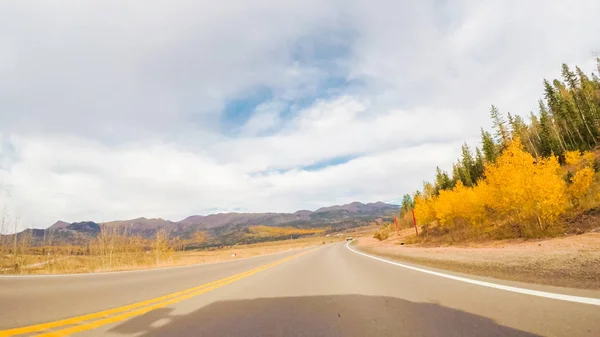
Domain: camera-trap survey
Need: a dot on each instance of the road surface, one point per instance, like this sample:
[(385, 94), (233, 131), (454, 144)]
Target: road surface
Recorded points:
[(324, 291)]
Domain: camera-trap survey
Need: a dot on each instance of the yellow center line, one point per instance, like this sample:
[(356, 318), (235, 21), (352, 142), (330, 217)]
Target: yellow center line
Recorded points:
[(135, 309)]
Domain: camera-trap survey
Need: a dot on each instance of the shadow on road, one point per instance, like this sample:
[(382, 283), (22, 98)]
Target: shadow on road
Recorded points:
[(339, 315)]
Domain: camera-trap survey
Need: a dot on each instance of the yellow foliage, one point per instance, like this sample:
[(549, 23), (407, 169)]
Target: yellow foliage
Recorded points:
[(588, 159), (528, 193), (424, 209), (581, 182), (459, 204), (573, 157)]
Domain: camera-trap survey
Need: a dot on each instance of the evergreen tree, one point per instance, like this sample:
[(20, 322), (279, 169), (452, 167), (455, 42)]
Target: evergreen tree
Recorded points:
[(455, 174), (479, 164), (490, 150), (469, 166), (442, 180), (407, 204), (460, 173), (568, 120), (589, 97), (548, 143), (499, 124)]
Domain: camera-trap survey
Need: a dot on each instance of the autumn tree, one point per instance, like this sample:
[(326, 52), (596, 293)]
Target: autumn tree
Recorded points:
[(515, 178)]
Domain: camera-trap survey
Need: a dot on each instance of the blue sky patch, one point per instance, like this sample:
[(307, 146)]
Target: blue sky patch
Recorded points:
[(329, 162), (238, 110), (325, 53)]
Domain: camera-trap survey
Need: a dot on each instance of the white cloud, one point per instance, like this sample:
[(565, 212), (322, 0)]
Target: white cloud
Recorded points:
[(114, 110), (74, 179), (266, 117)]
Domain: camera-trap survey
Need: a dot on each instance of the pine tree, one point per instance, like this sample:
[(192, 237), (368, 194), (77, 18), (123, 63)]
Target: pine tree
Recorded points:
[(469, 165), (462, 174), (442, 180), (479, 165), (587, 95), (490, 150), (580, 105), (407, 204), (563, 120), (568, 122), (556, 123), (548, 143), (521, 130), (499, 123)]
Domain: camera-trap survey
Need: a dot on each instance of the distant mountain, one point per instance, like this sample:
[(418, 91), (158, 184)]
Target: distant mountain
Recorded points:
[(359, 207), (59, 225), (84, 227), (275, 219), (224, 219), (60, 233), (225, 228), (142, 226), (141, 223)]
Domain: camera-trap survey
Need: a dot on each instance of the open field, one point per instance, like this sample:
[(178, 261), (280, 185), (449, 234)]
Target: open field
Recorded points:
[(571, 261), (57, 264)]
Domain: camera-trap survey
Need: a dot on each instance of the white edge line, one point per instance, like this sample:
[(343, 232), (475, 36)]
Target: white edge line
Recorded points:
[(147, 269), (555, 296)]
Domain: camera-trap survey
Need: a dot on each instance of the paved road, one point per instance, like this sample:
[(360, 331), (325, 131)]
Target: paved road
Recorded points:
[(328, 291)]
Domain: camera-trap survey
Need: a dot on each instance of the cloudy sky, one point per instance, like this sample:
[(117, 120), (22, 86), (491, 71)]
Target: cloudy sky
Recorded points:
[(122, 109)]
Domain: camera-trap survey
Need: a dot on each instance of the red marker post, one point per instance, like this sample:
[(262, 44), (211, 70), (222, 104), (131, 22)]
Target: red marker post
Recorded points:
[(415, 221)]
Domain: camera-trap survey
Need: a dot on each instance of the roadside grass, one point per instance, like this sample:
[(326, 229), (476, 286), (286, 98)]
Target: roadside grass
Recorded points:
[(119, 257)]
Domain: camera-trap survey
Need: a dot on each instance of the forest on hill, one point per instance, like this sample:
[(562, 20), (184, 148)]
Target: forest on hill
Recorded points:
[(530, 177)]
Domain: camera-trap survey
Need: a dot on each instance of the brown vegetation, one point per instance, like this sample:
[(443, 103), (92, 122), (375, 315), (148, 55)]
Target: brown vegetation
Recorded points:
[(116, 249)]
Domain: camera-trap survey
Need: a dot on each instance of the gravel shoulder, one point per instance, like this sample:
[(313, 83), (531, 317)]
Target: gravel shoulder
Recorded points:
[(570, 261)]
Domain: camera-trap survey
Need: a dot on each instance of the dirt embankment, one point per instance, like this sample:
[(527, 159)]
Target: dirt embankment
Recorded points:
[(570, 261)]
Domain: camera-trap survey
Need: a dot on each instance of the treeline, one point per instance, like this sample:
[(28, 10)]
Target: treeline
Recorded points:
[(526, 173)]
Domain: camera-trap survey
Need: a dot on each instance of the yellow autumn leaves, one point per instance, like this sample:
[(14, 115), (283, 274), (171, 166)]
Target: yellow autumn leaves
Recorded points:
[(270, 231), (583, 177), (518, 190)]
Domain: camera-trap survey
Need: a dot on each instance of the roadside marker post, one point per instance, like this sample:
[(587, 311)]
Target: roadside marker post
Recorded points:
[(415, 221)]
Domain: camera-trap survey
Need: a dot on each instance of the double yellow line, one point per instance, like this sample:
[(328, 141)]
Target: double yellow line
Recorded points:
[(98, 319)]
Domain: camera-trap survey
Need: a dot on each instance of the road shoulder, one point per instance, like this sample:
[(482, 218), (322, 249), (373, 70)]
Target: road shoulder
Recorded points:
[(566, 262)]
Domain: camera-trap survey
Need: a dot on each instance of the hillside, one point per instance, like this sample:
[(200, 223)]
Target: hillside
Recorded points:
[(223, 228)]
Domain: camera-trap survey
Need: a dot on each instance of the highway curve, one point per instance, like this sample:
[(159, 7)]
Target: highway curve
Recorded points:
[(324, 291)]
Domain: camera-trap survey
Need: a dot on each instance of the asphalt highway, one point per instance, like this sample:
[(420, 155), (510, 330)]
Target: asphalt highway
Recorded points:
[(324, 291)]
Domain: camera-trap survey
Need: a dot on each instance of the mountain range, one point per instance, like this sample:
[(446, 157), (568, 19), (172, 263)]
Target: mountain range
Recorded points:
[(225, 228)]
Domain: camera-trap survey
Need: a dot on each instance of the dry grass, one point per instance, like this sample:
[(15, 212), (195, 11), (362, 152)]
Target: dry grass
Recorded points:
[(140, 259), (251, 250)]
